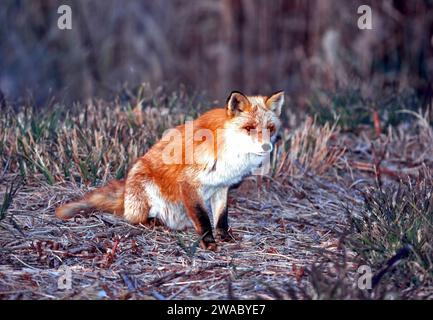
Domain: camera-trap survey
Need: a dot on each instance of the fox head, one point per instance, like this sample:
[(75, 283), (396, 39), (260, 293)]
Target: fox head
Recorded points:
[(254, 121)]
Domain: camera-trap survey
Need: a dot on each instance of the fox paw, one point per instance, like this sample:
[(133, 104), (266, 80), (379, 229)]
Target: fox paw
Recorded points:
[(225, 235), (208, 242), (212, 246)]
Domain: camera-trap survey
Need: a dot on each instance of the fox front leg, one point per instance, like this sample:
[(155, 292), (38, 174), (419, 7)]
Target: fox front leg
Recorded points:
[(196, 211), (220, 214)]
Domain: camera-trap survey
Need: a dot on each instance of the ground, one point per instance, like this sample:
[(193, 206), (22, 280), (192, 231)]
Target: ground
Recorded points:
[(278, 236), (301, 231)]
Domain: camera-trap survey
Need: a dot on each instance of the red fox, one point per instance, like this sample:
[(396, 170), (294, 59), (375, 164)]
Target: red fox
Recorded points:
[(223, 146)]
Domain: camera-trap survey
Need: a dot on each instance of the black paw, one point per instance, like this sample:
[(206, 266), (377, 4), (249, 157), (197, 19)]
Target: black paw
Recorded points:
[(208, 243), (225, 235)]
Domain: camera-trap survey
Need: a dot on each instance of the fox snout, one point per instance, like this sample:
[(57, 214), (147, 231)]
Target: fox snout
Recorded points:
[(267, 147)]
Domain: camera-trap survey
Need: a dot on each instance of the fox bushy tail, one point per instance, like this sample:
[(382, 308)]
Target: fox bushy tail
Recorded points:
[(106, 199)]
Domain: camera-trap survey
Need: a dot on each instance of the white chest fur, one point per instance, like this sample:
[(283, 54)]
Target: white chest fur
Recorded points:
[(229, 169)]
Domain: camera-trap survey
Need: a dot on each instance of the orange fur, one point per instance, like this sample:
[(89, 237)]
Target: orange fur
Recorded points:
[(111, 197), (108, 198)]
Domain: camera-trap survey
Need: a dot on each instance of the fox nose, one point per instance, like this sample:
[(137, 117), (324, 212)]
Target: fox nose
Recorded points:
[(267, 147)]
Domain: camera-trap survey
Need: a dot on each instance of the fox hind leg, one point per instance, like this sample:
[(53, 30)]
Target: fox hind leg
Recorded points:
[(136, 204)]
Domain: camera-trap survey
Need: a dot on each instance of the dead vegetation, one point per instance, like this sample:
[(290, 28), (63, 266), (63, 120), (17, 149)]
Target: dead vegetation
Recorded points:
[(310, 150), (334, 200)]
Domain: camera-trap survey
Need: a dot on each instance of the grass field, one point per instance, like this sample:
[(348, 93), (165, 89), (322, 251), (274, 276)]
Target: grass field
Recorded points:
[(342, 192)]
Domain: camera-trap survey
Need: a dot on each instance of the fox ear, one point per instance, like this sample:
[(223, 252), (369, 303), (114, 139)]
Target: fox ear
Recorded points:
[(236, 102), (276, 102)]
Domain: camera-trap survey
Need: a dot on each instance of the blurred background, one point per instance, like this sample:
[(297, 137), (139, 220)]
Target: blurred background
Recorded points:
[(213, 46)]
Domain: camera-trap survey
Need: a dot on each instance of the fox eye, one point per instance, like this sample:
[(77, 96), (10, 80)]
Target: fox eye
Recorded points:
[(249, 128), (271, 128)]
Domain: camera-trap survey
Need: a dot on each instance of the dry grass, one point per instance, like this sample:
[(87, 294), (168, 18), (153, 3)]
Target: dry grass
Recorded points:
[(86, 145), (310, 149), (394, 234), (293, 226), (279, 236)]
